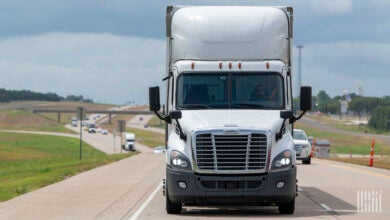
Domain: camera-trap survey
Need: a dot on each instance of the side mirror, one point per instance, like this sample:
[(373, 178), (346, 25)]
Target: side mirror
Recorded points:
[(174, 114), (154, 99), (286, 114), (305, 102)]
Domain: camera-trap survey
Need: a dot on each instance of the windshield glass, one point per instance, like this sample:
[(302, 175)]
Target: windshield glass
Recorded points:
[(299, 135), (230, 90)]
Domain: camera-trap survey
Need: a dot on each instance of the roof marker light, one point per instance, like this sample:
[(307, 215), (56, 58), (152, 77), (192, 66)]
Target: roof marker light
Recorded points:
[(220, 65), (239, 65), (267, 65), (192, 65), (230, 65)]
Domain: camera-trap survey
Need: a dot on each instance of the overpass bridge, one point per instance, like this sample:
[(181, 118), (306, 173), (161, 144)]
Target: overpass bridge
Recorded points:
[(90, 111)]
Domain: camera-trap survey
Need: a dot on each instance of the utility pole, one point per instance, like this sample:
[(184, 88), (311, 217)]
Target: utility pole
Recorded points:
[(80, 116), (299, 67)]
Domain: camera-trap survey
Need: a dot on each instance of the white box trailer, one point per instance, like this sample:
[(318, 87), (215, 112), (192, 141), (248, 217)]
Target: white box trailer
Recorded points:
[(229, 118)]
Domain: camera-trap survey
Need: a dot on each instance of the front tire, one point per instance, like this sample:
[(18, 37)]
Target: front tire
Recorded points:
[(172, 207), (287, 208)]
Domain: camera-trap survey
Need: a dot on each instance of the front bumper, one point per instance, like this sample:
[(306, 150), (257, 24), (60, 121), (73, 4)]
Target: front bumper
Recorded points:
[(235, 189)]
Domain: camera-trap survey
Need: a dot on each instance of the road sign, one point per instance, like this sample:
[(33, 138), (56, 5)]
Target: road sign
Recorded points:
[(81, 113), (121, 126)]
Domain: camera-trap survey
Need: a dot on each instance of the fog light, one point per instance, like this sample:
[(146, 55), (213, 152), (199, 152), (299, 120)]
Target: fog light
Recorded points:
[(182, 185), (280, 184)]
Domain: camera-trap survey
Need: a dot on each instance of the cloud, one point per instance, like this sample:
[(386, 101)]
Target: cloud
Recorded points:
[(336, 67), (104, 67), (331, 6)]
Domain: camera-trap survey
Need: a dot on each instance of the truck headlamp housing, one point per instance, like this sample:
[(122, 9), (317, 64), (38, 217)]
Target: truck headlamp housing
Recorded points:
[(179, 161), (283, 160)]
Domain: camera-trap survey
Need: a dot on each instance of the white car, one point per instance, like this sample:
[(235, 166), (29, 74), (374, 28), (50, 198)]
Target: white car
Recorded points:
[(159, 150), (104, 131), (302, 146)]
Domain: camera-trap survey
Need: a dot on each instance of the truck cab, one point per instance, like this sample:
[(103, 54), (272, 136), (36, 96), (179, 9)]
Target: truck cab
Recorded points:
[(229, 107), (128, 141)]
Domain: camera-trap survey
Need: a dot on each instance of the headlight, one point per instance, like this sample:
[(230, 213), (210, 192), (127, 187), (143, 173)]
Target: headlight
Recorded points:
[(179, 161), (305, 145), (283, 160)]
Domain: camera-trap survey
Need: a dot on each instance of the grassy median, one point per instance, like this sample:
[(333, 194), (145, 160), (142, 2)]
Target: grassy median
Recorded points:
[(156, 122), (148, 138), (28, 161), (346, 144)]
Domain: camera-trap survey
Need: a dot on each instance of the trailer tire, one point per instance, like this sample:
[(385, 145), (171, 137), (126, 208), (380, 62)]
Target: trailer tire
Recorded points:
[(172, 207), (287, 208), (307, 160)]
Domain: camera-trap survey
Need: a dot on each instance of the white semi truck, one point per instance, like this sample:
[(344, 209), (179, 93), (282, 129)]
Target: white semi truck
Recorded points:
[(229, 107)]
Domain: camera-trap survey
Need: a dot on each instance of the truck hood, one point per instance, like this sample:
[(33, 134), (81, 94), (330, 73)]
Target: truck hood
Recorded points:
[(250, 119)]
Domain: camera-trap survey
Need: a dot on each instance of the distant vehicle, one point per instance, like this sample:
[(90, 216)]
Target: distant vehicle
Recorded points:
[(74, 123), (146, 126), (322, 148), (99, 130), (104, 131), (74, 118), (128, 140), (159, 150), (302, 146), (91, 127)]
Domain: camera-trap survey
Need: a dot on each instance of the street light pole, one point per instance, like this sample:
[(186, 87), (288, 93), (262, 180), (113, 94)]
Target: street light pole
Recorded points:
[(299, 80)]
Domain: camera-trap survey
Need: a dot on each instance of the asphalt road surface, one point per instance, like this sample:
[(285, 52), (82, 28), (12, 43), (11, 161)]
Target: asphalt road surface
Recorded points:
[(327, 190)]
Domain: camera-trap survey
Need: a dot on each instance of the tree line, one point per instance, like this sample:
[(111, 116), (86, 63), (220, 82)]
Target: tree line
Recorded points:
[(377, 108), (27, 95)]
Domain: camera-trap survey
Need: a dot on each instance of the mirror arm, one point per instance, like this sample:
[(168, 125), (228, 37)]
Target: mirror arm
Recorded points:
[(165, 118), (182, 135), (294, 119), (279, 135)]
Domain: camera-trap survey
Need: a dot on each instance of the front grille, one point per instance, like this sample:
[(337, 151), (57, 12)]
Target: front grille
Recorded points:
[(231, 152)]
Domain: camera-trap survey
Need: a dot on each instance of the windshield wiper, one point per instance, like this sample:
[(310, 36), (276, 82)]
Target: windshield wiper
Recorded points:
[(246, 105), (190, 106)]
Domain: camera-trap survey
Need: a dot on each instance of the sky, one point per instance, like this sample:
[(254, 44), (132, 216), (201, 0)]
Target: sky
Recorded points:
[(112, 51)]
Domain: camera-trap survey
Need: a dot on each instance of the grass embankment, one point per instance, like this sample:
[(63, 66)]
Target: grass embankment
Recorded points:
[(29, 161), (25, 120), (148, 138), (346, 144), (156, 122)]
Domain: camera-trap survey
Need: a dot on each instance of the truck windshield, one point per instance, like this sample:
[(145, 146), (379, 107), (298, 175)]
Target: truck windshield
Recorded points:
[(230, 90)]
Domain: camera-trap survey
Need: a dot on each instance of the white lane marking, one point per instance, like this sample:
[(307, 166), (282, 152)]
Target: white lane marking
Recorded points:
[(143, 206), (327, 208)]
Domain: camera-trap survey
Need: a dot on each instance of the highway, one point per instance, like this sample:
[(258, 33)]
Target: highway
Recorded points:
[(327, 190), (132, 189)]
